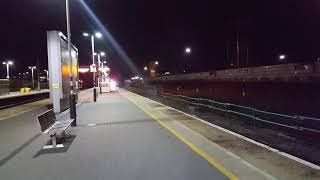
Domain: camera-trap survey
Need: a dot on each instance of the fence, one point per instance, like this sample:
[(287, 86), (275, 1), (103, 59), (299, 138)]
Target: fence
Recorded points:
[(296, 122)]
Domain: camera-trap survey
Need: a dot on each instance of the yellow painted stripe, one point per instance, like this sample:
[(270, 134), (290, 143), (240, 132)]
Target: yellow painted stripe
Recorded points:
[(18, 113), (21, 109), (196, 149)]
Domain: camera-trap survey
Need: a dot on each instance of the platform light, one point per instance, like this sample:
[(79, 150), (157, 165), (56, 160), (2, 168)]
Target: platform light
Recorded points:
[(8, 64), (98, 34), (282, 57), (84, 70), (187, 50), (73, 54), (32, 69)]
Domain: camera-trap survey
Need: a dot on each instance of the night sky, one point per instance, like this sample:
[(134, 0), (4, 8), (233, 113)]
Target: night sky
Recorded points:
[(160, 30)]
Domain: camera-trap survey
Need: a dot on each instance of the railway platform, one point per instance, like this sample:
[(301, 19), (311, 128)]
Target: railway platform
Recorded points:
[(126, 136), (18, 94)]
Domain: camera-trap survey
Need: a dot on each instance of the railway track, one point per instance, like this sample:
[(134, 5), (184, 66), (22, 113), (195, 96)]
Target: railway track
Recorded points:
[(19, 100)]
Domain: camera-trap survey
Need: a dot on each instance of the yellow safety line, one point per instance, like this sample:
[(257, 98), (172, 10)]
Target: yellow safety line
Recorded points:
[(196, 149), (20, 112)]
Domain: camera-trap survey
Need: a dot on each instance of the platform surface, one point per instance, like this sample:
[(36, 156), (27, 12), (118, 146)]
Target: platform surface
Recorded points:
[(121, 136)]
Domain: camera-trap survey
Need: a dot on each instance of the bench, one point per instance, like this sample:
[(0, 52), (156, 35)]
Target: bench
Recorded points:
[(50, 125)]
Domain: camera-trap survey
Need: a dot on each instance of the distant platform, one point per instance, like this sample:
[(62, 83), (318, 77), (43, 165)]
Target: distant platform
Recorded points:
[(17, 94)]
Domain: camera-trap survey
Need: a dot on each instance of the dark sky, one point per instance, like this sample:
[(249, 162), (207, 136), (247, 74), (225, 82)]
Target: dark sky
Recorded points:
[(149, 30)]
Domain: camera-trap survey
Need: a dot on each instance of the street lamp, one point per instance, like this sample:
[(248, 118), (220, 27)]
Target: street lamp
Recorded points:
[(101, 54), (32, 68), (8, 63), (104, 62), (282, 57), (47, 73), (72, 97), (187, 50), (145, 68), (97, 35), (156, 62)]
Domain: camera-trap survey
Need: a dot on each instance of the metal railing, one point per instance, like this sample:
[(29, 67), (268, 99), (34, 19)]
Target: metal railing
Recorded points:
[(296, 122)]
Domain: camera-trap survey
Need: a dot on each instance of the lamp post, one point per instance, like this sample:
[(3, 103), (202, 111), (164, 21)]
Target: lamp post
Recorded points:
[(47, 77), (72, 96), (104, 62), (101, 54), (47, 73), (32, 68), (97, 35), (8, 63)]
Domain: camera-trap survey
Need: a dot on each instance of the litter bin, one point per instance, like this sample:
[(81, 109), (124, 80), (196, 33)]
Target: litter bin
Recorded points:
[(27, 90), (22, 90)]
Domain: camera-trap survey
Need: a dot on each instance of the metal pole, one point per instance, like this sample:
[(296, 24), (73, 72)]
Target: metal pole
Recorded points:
[(100, 75), (32, 78), (238, 50), (94, 73), (99, 60), (247, 56), (92, 49), (73, 113), (47, 75), (38, 80), (8, 76)]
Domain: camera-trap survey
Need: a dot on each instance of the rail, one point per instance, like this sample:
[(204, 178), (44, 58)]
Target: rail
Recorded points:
[(296, 122)]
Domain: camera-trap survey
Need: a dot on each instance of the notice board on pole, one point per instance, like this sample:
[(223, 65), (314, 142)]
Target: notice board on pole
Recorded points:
[(59, 69)]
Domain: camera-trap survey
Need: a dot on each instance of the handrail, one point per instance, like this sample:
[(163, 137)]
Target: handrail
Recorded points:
[(299, 122)]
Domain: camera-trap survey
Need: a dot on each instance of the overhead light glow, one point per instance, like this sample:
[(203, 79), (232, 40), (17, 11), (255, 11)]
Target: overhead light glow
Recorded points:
[(282, 57), (32, 67), (110, 38), (102, 54), (73, 54), (83, 70), (98, 35), (85, 34), (188, 50)]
